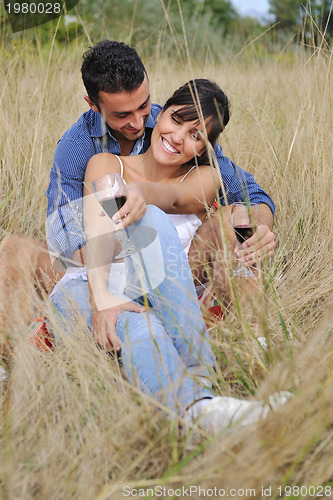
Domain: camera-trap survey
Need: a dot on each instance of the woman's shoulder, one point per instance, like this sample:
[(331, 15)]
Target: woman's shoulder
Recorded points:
[(103, 164), (203, 171)]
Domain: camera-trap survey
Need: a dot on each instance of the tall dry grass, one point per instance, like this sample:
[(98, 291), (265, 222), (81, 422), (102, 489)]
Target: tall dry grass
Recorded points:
[(71, 427)]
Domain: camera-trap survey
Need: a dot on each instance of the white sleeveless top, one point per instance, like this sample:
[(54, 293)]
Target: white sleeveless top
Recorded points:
[(185, 224)]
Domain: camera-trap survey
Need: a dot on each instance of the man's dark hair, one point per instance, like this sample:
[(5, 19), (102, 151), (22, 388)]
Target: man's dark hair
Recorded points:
[(112, 67)]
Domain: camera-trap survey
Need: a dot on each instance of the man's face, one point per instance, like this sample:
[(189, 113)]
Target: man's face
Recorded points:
[(125, 113)]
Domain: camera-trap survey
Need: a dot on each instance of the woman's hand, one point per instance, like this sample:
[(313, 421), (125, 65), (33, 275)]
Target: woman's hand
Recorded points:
[(260, 246), (104, 324), (134, 208)]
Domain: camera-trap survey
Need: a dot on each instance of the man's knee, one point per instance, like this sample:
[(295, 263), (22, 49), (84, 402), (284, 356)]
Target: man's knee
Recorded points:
[(22, 248), (207, 242), (14, 243), (214, 229)]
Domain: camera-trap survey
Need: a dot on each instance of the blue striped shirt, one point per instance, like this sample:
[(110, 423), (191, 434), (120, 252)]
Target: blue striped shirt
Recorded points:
[(89, 136)]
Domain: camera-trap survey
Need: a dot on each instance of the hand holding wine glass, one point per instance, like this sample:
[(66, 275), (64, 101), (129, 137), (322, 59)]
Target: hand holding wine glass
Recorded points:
[(244, 217), (110, 191)]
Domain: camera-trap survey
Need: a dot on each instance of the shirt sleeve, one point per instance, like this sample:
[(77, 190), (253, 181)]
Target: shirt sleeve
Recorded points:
[(238, 184), (64, 226)]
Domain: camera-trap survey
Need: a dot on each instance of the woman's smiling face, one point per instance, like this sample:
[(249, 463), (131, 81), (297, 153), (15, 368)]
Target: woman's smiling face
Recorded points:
[(175, 141)]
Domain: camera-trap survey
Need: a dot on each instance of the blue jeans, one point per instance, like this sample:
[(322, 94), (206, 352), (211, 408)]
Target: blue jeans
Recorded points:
[(165, 351)]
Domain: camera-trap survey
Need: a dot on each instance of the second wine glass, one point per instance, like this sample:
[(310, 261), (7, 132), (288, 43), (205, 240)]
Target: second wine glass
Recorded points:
[(244, 217)]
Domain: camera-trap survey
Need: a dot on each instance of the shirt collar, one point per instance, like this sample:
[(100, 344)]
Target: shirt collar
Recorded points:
[(98, 128)]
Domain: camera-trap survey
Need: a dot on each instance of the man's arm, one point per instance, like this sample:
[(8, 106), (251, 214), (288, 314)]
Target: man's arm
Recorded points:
[(239, 184), (65, 191)]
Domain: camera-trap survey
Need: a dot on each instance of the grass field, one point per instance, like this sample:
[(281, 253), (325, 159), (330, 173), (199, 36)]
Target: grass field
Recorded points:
[(71, 427)]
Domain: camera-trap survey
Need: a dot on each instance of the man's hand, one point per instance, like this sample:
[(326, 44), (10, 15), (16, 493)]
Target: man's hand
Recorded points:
[(260, 246), (104, 324), (134, 208)]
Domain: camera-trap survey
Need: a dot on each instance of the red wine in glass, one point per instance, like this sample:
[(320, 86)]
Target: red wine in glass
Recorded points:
[(244, 217), (110, 191), (243, 232), (112, 205)]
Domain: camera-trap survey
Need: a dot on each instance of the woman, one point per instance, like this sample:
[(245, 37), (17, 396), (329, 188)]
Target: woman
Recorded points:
[(165, 349)]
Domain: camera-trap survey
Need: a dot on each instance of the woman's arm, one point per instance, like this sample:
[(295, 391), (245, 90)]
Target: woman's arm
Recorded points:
[(98, 255), (192, 196)]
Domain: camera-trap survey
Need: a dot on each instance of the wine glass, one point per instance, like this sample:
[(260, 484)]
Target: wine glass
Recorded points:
[(110, 191), (244, 217)]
